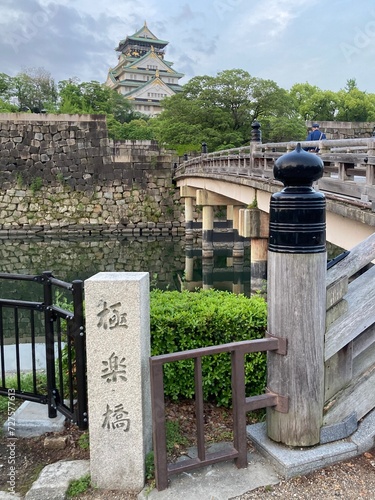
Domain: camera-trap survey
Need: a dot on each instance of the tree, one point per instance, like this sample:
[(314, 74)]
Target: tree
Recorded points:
[(312, 103), (6, 87), (35, 90), (218, 110), (355, 105), (96, 98), (6, 107)]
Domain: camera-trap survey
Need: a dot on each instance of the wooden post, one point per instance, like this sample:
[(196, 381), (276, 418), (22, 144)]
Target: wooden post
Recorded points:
[(296, 294)]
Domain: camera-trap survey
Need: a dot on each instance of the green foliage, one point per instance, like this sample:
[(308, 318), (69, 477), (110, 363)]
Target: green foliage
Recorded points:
[(189, 320), (173, 437), (84, 441), (78, 486), (218, 110), (35, 90), (36, 184), (253, 204), (26, 384), (6, 107), (19, 179), (150, 465)]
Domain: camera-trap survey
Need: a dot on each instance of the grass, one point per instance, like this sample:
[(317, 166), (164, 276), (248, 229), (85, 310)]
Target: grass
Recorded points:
[(174, 439), (79, 486), (26, 386), (84, 441)]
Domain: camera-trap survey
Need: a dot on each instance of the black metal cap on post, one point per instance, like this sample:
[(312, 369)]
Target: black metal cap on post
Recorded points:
[(204, 148), (256, 133), (297, 213)]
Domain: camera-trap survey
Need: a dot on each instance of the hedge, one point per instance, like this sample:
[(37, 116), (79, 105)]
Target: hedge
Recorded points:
[(189, 320)]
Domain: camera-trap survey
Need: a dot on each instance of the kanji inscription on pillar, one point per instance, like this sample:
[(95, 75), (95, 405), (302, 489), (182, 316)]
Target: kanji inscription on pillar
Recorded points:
[(111, 316), (116, 418), (114, 369)]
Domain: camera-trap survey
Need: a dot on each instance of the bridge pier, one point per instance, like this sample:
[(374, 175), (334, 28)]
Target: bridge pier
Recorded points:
[(188, 194), (254, 224), (238, 241), (207, 231)]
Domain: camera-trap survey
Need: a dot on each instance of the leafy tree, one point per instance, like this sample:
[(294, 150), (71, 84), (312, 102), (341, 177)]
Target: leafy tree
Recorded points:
[(93, 97), (283, 129), (35, 90), (311, 103), (6, 87), (6, 107), (218, 110), (355, 105)]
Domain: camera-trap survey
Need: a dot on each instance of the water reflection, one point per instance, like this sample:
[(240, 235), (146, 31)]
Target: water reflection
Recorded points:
[(172, 263)]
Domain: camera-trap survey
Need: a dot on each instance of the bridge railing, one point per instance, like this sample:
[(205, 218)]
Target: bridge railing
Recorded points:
[(350, 336), (349, 164)]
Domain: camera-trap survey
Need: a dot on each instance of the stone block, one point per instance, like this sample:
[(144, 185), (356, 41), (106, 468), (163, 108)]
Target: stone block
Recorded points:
[(118, 348)]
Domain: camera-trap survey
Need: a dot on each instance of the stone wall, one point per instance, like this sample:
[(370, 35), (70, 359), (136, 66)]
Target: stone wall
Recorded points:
[(61, 173), (345, 130)]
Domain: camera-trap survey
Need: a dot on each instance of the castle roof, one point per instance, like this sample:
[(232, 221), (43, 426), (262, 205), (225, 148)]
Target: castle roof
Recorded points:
[(142, 35)]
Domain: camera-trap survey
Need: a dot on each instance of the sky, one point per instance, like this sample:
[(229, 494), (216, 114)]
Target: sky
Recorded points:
[(324, 43)]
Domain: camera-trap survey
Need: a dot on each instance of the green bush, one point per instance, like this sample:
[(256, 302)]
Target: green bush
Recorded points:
[(189, 320)]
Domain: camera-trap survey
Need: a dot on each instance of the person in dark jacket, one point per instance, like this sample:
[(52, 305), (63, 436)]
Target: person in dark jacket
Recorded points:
[(315, 135)]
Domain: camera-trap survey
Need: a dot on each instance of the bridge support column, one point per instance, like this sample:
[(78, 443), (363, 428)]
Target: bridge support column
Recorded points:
[(207, 231), (238, 241), (207, 272), (254, 224), (230, 216), (238, 285), (297, 262), (258, 262), (189, 194), (189, 218), (189, 262)]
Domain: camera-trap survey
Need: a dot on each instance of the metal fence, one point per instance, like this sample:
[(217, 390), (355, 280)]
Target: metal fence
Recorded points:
[(60, 331), (241, 405)]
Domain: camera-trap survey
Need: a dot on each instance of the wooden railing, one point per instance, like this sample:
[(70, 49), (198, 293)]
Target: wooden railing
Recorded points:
[(350, 335), (349, 165)]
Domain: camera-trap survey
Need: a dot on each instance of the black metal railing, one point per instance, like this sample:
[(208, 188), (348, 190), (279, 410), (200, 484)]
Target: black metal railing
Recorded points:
[(62, 333)]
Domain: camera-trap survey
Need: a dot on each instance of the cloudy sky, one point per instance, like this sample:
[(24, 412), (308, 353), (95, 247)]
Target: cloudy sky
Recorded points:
[(289, 41)]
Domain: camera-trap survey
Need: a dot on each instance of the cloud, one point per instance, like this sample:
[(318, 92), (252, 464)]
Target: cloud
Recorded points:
[(273, 39)]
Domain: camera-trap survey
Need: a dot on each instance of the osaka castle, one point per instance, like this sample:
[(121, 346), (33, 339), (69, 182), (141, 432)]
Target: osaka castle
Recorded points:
[(142, 74)]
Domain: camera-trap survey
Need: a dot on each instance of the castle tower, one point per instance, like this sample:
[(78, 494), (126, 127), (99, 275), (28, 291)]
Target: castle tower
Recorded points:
[(142, 74)]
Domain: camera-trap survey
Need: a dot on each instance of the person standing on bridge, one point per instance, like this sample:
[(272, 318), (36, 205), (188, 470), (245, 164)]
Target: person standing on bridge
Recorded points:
[(315, 135)]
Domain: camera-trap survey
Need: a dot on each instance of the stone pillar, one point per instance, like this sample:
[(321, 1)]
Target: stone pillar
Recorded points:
[(254, 224), (118, 350), (258, 259), (230, 216), (238, 241), (296, 296), (207, 272), (238, 285), (189, 262), (207, 231), (189, 218)]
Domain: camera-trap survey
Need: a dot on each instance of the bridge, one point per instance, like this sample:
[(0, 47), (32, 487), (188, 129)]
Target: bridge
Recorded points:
[(242, 177), (324, 319)]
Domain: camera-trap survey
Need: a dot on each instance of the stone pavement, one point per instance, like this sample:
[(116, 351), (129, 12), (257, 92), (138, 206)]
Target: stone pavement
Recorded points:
[(267, 466)]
